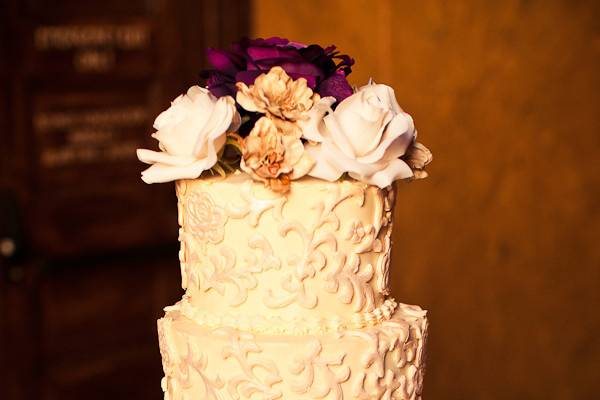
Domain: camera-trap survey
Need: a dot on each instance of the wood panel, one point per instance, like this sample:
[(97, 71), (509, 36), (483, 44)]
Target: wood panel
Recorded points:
[(96, 332), (500, 242), (95, 257)]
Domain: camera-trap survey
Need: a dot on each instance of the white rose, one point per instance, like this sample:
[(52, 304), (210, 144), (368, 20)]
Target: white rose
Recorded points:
[(364, 136), (190, 133)]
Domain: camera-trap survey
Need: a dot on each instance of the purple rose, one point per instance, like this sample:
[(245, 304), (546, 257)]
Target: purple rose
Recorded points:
[(324, 69)]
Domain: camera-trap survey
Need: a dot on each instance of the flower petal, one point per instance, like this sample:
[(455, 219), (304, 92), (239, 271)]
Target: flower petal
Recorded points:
[(337, 86), (314, 123), (224, 61), (159, 173), (151, 157), (337, 135), (220, 86), (222, 117), (385, 94), (418, 156), (398, 135), (184, 122), (275, 93), (395, 169), (248, 77), (302, 167), (273, 55), (323, 168), (244, 98)]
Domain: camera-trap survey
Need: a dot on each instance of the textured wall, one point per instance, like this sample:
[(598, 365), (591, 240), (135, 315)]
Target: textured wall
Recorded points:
[(500, 243)]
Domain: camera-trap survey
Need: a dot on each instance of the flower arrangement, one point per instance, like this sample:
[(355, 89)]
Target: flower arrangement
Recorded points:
[(280, 110)]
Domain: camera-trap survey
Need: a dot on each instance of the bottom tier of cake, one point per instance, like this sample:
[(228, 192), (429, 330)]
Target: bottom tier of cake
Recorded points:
[(384, 361)]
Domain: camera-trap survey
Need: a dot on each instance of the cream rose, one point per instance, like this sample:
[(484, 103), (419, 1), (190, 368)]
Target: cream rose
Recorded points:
[(190, 134), (365, 136)]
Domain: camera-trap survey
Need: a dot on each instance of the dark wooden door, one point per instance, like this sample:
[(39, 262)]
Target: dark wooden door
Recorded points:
[(88, 253)]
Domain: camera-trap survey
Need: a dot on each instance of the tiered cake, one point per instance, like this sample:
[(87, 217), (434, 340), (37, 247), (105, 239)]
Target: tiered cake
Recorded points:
[(286, 295), (285, 256)]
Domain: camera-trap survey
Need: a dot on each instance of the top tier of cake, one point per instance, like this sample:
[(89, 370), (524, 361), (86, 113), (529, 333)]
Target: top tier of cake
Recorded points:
[(313, 259)]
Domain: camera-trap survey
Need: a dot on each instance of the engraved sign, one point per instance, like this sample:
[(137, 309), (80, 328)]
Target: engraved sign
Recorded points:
[(93, 47), (89, 131), (90, 135), (86, 80), (65, 37)]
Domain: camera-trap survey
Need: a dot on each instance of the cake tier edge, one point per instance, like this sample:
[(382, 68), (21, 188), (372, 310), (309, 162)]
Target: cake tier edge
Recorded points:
[(384, 361), (322, 250)]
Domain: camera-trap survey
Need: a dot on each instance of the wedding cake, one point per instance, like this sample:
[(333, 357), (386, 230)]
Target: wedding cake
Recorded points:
[(285, 178)]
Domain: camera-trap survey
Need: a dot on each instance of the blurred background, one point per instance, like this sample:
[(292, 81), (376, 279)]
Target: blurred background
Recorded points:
[(501, 243)]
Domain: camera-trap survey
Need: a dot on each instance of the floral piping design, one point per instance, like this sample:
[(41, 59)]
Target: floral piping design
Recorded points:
[(319, 376), (205, 220), (241, 348)]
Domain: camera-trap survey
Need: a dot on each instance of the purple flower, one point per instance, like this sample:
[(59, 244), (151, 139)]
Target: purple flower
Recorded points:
[(324, 69)]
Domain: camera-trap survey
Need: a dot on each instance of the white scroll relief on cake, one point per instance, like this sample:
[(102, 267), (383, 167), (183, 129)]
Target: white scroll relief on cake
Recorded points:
[(336, 194), (381, 362), (267, 259), (180, 370), (388, 205), (375, 381), (319, 376), (257, 375), (165, 344), (392, 361), (385, 238), (304, 265), (181, 189), (183, 258), (383, 263), (252, 208), (222, 270), (351, 282), (410, 359), (297, 236), (364, 237), (411, 356), (316, 239), (223, 273)]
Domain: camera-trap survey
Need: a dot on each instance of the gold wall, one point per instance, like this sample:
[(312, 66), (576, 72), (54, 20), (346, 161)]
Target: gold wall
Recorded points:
[(501, 242)]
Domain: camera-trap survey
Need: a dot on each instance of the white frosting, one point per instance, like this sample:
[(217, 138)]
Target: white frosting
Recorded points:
[(385, 361), (286, 295), (319, 251), (292, 325)]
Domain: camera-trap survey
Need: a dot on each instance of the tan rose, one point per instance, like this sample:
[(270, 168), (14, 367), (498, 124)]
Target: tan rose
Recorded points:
[(277, 94), (272, 157)]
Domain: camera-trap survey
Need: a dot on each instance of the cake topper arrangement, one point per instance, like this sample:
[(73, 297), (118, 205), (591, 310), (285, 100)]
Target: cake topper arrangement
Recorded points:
[(280, 110)]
